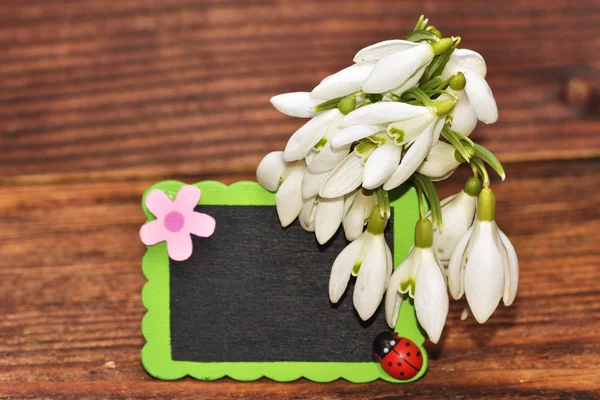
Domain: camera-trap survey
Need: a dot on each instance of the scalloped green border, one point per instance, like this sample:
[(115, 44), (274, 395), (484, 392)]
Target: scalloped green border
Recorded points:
[(156, 353)]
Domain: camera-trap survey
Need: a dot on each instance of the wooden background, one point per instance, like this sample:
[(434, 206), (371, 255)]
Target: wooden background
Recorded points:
[(100, 99)]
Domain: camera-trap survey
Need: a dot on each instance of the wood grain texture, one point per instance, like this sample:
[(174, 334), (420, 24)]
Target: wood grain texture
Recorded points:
[(100, 99)]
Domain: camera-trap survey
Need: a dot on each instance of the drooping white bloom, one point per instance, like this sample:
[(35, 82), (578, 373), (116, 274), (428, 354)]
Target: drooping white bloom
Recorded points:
[(296, 104), (370, 259), (271, 170), (440, 162), (478, 92), (458, 212), (357, 209), (484, 264), (396, 62), (381, 164), (288, 199), (344, 178), (343, 83), (322, 216), (309, 134), (420, 276)]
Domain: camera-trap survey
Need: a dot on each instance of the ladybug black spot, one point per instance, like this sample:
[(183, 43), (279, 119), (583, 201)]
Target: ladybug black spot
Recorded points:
[(399, 364), (401, 373), (407, 344), (408, 354), (390, 363), (418, 354)]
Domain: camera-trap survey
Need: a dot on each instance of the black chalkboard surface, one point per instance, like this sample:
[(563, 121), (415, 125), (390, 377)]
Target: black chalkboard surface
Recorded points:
[(255, 291), (251, 300)]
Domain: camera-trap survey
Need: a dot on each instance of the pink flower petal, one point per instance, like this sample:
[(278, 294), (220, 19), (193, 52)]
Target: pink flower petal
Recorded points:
[(200, 224), (158, 203), (179, 246), (153, 232), (187, 198)]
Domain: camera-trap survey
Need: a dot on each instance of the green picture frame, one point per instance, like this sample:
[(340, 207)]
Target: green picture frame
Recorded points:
[(156, 353)]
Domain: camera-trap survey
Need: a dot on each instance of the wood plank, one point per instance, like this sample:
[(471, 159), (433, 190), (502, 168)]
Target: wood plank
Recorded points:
[(171, 86), (71, 280)]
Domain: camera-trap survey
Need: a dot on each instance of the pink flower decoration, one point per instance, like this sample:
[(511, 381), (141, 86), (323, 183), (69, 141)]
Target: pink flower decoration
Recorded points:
[(175, 221)]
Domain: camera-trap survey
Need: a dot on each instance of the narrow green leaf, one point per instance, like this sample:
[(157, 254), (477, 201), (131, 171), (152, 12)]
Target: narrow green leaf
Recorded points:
[(491, 159), (450, 135), (419, 35), (432, 198)]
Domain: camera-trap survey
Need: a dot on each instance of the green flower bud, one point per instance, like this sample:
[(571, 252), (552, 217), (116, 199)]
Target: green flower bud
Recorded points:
[(486, 205), (473, 186), (441, 46), (376, 223), (424, 234), (443, 107), (457, 81), (347, 104)]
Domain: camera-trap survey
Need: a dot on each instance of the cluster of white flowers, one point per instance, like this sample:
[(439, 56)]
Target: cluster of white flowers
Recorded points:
[(374, 126)]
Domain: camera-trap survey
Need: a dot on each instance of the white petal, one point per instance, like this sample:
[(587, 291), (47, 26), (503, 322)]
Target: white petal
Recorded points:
[(511, 283), (346, 177), (431, 297), (395, 69), (303, 140), (470, 59), (389, 264), (381, 113), (307, 215), (328, 217), (484, 271), (328, 158), (342, 269), (393, 296), (437, 130), (270, 170), (343, 83), (458, 215), (349, 135), (456, 266), (439, 161), (350, 200), (481, 98), (311, 184), (410, 82), (356, 215), (381, 164), (383, 49), (370, 284), (464, 118), (296, 104), (412, 159), (288, 199)]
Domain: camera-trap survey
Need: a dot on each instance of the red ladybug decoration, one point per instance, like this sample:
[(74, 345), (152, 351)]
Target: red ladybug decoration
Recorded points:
[(400, 357)]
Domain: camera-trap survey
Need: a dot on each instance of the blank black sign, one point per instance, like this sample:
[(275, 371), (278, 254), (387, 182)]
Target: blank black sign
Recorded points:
[(257, 292)]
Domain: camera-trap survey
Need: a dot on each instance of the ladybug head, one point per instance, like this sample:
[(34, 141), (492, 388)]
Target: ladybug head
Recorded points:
[(384, 343)]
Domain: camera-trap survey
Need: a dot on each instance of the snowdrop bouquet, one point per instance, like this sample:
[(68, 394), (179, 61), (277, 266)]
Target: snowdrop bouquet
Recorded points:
[(378, 124)]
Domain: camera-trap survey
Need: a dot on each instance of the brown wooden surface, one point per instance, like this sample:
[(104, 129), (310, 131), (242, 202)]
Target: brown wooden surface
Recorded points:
[(100, 99)]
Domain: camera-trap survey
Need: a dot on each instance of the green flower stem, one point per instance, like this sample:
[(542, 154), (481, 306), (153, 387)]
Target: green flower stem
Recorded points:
[(451, 136), (419, 95), (424, 234), (481, 166), (420, 199), (486, 205), (428, 189), (377, 222)]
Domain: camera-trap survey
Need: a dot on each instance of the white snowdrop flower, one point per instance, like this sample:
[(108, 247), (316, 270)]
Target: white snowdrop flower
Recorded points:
[(484, 264), (357, 207), (344, 178), (396, 61), (288, 199), (479, 95), (420, 275), (343, 83), (322, 216), (458, 212), (440, 162), (323, 158), (271, 170), (309, 135), (370, 260), (296, 104), (406, 125)]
